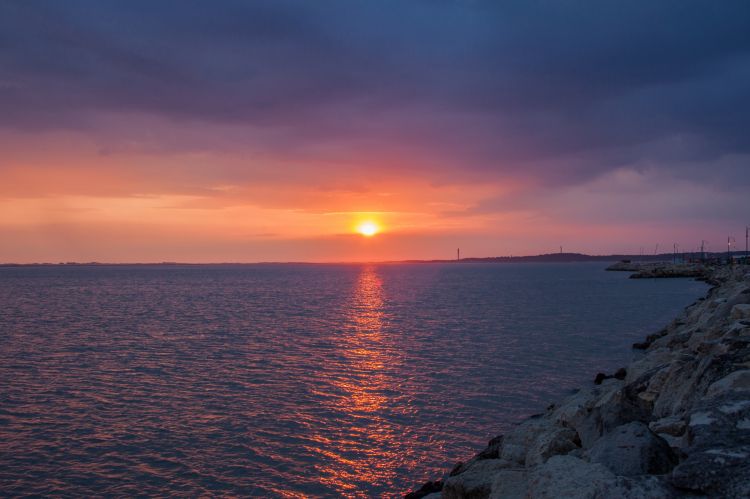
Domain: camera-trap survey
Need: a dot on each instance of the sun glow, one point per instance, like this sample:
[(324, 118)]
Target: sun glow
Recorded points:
[(368, 229)]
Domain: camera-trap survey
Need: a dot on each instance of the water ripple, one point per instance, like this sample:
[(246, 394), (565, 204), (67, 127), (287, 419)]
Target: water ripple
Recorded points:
[(292, 380)]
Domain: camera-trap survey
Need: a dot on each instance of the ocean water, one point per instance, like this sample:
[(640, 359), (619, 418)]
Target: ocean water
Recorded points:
[(294, 380)]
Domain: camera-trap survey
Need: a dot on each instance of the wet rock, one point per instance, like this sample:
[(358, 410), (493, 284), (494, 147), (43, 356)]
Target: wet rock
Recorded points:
[(633, 449)]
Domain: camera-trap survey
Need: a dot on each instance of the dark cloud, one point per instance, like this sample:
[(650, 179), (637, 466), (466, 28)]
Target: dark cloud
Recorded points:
[(561, 91)]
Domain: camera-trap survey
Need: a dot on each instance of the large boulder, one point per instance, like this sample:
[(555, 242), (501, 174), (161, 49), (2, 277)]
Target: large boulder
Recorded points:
[(510, 483), (552, 442), (633, 449), (475, 482), (592, 412), (517, 442), (718, 458), (736, 381), (574, 478)]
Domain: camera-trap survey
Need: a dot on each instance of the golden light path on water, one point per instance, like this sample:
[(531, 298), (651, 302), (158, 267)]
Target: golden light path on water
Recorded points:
[(370, 355)]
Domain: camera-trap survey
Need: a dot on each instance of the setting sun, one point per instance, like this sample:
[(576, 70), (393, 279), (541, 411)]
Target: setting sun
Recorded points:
[(368, 229)]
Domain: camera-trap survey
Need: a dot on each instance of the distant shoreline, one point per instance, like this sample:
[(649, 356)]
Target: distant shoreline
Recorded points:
[(544, 258)]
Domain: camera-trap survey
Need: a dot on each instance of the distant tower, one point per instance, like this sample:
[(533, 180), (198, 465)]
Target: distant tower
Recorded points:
[(458, 254)]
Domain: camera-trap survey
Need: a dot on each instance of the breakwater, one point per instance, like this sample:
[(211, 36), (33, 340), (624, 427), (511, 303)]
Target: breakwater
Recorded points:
[(675, 422)]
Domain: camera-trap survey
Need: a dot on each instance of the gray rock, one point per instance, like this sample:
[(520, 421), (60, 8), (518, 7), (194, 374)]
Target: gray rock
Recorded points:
[(718, 458), (510, 484), (567, 476), (715, 472), (557, 440), (516, 443), (475, 482), (740, 311), (591, 412), (632, 449), (671, 425), (573, 478), (736, 381)]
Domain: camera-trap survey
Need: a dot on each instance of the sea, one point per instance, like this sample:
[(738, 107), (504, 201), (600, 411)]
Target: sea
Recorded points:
[(294, 380)]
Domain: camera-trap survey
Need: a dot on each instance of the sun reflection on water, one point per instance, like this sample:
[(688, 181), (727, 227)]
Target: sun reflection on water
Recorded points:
[(370, 446)]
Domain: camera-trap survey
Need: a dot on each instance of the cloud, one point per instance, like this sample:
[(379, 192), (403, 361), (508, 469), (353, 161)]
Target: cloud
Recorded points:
[(560, 91)]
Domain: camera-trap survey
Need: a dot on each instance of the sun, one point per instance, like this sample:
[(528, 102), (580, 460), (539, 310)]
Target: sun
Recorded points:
[(368, 229)]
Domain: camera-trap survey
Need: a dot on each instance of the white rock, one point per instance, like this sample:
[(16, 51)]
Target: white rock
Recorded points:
[(701, 418), (734, 407)]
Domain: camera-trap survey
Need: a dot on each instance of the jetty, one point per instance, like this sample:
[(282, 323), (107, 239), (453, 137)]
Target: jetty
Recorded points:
[(649, 270), (675, 422)]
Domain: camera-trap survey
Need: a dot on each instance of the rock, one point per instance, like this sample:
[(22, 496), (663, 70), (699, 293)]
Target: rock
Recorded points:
[(475, 482), (516, 444), (426, 490), (741, 311), (717, 461), (592, 412), (738, 380), (715, 472), (633, 449), (557, 440), (492, 451), (574, 478), (619, 374), (510, 484), (671, 425), (686, 398), (567, 476)]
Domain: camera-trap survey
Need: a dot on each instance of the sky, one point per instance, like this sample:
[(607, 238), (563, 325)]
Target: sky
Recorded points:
[(244, 131)]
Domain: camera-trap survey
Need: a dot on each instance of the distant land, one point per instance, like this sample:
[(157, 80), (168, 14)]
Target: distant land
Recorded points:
[(548, 257), (582, 257)]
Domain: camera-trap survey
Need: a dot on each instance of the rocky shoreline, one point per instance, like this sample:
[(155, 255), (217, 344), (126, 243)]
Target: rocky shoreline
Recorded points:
[(651, 270), (674, 423)]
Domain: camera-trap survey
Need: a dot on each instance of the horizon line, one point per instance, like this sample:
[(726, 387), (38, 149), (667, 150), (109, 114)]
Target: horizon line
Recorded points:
[(468, 259)]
